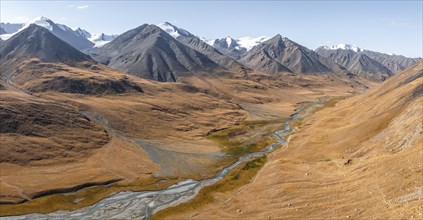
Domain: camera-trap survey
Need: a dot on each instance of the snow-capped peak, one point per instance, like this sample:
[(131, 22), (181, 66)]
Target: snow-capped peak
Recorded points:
[(344, 47), (250, 42), (172, 30), (40, 21), (101, 39), (243, 43)]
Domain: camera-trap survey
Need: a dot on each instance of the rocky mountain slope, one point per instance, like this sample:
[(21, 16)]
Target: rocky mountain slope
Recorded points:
[(149, 52), (199, 45), (79, 38), (280, 54), (228, 46), (394, 63), (63, 32), (358, 63), (367, 64), (37, 41), (39, 61)]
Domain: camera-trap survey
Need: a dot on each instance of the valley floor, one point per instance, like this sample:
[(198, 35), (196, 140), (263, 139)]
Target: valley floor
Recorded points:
[(169, 132)]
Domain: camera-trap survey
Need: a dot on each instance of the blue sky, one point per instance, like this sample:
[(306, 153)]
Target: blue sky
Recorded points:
[(386, 26)]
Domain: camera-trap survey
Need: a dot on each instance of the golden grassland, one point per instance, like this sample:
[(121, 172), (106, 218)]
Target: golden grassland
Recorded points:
[(360, 157)]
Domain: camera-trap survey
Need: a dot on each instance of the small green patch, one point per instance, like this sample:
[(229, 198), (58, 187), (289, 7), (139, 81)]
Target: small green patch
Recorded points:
[(246, 137)]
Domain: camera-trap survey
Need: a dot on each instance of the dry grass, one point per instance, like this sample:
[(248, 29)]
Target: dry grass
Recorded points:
[(176, 116), (361, 158)]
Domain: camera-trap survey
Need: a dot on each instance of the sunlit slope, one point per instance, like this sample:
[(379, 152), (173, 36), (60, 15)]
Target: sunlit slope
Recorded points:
[(361, 158)]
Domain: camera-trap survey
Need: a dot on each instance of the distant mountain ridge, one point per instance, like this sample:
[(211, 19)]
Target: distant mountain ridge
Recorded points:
[(235, 48), (36, 41), (365, 63), (229, 46), (61, 31), (199, 45), (165, 52), (11, 28), (280, 54), (79, 38)]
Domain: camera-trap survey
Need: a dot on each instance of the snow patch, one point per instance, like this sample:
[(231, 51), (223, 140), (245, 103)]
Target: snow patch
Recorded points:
[(40, 21), (101, 39), (63, 27), (209, 42), (228, 41), (344, 47), (249, 42), (172, 30)]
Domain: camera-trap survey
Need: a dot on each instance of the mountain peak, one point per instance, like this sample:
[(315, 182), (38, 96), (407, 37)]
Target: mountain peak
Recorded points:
[(344, 47), (81, 32), (277, 39), (37, 41), (40, 21), (172, 30)]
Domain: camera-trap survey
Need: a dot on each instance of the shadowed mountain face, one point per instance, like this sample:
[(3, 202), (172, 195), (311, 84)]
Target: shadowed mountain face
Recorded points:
[(358, 63), (394, 63), (283, 55), (59, 30), (197, 44), (36, 41), (370, 65), (151, 53), (69, 36)]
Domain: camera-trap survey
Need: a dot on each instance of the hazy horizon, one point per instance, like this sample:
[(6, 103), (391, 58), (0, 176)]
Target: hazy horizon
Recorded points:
[(384, 26)]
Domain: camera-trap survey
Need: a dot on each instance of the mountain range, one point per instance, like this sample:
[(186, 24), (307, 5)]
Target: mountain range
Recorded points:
[(165, 52), (198, 44), (367, 64), (80, 39)]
